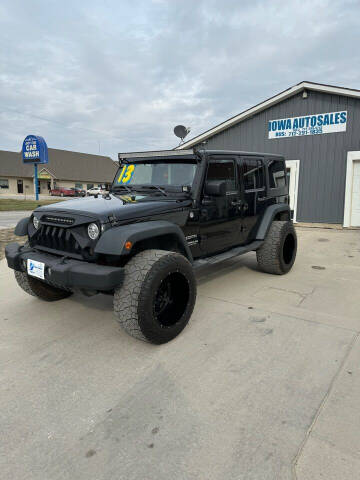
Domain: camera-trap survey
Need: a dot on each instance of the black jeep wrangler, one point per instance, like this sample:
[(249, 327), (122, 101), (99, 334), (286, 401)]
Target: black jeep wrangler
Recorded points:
[(167, 213)]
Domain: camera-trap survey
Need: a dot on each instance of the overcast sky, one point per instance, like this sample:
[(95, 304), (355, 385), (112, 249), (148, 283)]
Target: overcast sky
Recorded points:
[(114, 76)]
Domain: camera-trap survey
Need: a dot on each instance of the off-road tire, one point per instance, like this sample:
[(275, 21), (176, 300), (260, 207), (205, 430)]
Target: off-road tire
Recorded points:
[(277, 254), (135, 302), (40, 289)]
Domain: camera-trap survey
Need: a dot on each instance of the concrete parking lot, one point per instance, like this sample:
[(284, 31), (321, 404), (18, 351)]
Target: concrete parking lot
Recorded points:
[(264, 383)]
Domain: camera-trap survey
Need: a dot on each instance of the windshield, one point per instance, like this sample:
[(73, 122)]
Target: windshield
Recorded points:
[(160, 174)]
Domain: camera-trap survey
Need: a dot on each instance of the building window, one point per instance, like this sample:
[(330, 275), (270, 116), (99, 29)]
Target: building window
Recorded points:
[(78, 185), (277, 174), (89, 185), (4, 183), (253, 175)]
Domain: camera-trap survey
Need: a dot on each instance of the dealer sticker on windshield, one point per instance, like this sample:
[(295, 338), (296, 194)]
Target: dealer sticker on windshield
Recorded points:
[(35, 268), (126, 174)]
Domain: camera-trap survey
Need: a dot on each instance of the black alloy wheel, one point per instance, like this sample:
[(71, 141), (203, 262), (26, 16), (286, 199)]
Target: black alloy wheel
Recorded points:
[(171, 299), (157, 297)]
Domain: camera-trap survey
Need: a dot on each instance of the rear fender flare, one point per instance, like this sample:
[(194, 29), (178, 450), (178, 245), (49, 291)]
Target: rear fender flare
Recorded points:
[(269, 216)]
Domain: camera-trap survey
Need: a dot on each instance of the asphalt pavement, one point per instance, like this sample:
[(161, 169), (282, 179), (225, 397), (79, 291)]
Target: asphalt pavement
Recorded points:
[(264, 383), (19, 196), (10, 219)]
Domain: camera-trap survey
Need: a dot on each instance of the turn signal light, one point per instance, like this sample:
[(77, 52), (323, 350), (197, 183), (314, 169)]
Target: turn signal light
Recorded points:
[(128, 245)]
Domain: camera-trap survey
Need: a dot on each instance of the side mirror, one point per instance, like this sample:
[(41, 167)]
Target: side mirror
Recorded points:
[(215, 188)]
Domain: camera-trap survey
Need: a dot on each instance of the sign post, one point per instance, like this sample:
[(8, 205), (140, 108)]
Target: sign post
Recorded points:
[(36, 180), (35, 151)]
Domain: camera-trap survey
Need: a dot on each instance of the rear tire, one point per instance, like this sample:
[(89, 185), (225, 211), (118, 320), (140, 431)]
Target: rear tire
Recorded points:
[(158, 296), (277, 254), (40, 289)]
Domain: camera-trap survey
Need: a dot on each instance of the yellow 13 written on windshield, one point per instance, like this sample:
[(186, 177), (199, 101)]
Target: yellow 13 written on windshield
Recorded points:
[(126, 173)]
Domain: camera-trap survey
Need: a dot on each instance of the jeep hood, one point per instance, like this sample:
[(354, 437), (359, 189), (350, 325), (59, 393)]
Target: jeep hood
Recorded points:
[(102, 208)]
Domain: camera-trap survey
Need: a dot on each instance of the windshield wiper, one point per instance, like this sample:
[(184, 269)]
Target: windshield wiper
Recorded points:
[(129, 190), (152, 187), (126, 187), (137, 188)]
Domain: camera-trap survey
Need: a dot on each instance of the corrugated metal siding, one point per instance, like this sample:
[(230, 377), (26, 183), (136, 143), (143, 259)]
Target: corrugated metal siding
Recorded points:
[(322, 157)]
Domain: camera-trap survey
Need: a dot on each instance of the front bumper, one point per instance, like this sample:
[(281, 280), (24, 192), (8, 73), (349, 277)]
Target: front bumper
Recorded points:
[(66, 272)]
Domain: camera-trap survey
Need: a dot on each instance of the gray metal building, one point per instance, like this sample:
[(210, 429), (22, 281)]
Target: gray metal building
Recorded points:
[(317, 128)]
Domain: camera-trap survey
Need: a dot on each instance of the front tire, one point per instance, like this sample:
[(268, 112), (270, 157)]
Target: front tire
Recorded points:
[(277, 254), (40, 289), (158, 296)]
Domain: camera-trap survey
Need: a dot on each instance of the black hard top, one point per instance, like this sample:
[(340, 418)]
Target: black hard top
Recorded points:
[(187, 154), (242, 153)]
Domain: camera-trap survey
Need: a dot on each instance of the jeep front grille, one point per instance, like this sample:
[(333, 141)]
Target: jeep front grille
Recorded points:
[(57, 238)]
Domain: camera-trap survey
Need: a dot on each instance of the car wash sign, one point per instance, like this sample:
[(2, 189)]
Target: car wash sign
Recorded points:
[(308, 125), (34, 150)]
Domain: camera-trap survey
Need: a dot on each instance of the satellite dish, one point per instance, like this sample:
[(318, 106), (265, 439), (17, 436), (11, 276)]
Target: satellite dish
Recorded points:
[(181, 131)]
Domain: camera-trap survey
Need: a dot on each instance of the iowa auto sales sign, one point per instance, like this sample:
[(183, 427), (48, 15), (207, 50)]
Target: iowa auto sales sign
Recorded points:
[(308, 125)]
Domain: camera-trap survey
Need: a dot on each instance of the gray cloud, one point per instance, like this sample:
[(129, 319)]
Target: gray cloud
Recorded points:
[(123, 73)]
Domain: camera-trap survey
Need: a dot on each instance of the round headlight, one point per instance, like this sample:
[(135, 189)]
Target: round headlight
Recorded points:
[(36, 222), (93, 231)]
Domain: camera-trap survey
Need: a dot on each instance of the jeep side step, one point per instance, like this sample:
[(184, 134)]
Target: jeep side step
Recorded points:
[(233, 252)]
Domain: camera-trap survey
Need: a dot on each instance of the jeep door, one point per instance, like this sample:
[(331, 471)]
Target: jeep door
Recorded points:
[(220, 216), (253, 180)]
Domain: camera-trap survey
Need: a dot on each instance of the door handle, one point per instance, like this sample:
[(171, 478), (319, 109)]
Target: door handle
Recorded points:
[(240, 204)]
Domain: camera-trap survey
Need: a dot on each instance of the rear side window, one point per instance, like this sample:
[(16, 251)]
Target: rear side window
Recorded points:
[(277, 174), (253, 171)]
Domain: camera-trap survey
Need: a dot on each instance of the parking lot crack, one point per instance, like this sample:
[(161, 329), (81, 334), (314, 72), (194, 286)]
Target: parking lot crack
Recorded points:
[(306, 295), (323, 404), (264, 308)]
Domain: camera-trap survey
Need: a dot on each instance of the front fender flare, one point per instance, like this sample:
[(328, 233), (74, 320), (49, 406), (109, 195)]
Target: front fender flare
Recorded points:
[(112, 242), (21, 228)]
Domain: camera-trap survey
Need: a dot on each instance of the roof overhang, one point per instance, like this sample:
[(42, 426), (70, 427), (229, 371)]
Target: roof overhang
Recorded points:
[(317, 87)]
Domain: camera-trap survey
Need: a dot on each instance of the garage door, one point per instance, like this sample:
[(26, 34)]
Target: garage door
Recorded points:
[(355, 199)]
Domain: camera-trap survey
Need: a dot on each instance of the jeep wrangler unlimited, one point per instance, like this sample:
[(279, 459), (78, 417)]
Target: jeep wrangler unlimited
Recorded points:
[(167, 213)]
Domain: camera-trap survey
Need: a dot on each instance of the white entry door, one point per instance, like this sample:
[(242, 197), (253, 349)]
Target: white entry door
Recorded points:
[(292, 169), (355, 196)]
